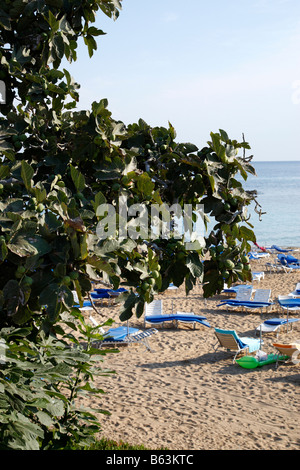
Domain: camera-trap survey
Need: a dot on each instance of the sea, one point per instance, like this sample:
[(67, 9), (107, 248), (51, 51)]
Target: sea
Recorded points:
[(278, 192)]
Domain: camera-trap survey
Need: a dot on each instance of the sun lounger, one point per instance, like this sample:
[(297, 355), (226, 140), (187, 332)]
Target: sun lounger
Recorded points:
[(289, 303), (123, 335), (230, 340), (256, 255), (110, 294), (154, 315), (257, 276), (281, 250), (235, 289), (261, 300), (276, 267), (291, 350), (289, 262), (275, 324), (87, 305), (288, 259), (172, 287), (243, 300)]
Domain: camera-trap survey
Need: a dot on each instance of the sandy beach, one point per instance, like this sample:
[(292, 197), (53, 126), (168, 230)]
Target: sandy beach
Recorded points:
[(184, 395)]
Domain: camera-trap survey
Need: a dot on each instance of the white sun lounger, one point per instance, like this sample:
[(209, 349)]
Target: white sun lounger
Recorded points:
[(154, 315)]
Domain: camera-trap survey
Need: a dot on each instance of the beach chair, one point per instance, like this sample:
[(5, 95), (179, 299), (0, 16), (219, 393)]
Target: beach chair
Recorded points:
[(257, 276), (260, 301), (154, 315), (275, 324), (235, 289), (189, 318), (87, 305), (230, 340), (289, 262), (276, 249), (288, 304), (106, 294), (243, 294), (123, 336), (291, 351), (154, 312), (256, 255)]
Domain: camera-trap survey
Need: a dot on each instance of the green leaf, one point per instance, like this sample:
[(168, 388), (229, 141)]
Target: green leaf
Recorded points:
[(127, 306), (5, 146), (54, 297), (224, 135), (212, 283), (27, 173), (145, 184), (91, 44), (23, 245), (247, 234), (40, 192), (5, 20), (12, 296), (99, 200), (78, 179), (4, 170), (53, 22), (194, 265)]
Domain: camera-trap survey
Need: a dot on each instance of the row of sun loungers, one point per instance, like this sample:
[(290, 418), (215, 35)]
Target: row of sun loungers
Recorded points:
[(233, 343), (229, 339)]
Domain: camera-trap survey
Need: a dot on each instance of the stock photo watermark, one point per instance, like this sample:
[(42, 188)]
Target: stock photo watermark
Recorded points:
[(150, 222), (3, 348), (2, 92)]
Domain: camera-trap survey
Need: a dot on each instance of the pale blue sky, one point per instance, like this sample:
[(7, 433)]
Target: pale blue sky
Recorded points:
[(229, 64)]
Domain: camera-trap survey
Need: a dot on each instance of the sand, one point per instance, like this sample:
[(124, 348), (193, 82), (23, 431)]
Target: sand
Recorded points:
[(184, 395)]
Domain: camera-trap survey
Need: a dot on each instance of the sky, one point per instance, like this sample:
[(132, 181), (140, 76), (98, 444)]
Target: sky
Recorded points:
[(202, 66)]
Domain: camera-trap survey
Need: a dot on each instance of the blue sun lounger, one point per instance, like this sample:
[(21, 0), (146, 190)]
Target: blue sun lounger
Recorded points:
[(178, 317), (261, 300), (124, 335), (275, 324), (236, 289), (288, 304), (281, 250), (289, 262), (154, 315)]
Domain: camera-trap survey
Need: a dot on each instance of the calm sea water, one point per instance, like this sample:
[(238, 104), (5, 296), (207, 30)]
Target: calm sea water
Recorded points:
[(278, 187)]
